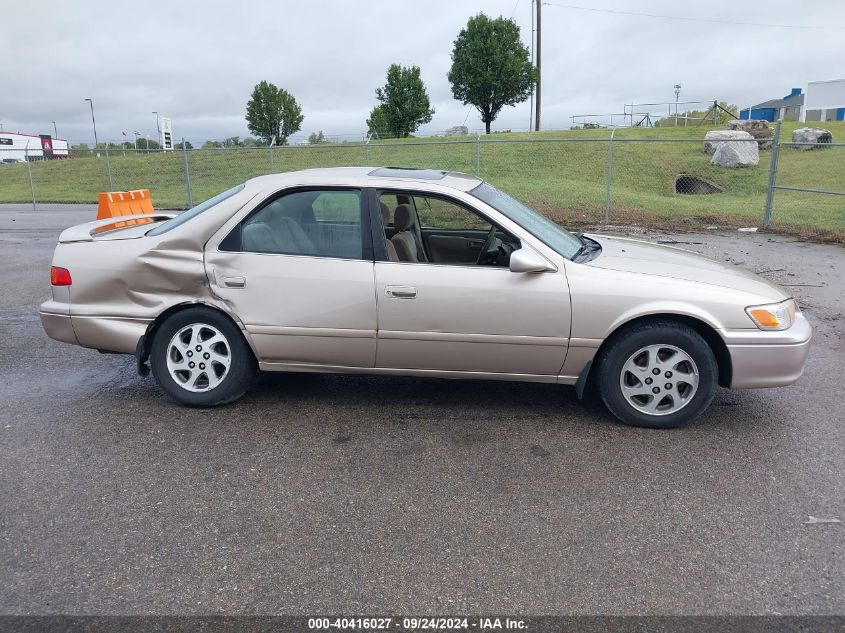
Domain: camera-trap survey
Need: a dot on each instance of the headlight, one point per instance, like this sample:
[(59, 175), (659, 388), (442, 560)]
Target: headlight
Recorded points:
[(773, 316)]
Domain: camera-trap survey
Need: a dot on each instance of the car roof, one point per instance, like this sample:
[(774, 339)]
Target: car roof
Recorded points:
[(368, 177)]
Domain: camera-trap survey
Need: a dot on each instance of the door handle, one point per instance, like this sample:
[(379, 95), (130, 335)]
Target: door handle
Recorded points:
[(234, 282), (401, 292)]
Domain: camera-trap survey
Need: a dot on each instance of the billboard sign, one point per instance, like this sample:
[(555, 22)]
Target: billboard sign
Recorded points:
[(166, 139), (47, 146)]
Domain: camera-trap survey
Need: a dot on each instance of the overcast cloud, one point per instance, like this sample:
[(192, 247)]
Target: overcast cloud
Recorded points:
[(198, 61)]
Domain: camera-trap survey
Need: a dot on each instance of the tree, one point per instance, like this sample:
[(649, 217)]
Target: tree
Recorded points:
[(404, 105), (212, 145), (316, 138), (187, 145), (272, 112), (377, 124), (491, 67)]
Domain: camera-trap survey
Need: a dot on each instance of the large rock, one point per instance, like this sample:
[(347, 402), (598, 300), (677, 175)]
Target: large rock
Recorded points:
[(458, 130), (712, 139), (818, 136), (758, 129), (736, 153)]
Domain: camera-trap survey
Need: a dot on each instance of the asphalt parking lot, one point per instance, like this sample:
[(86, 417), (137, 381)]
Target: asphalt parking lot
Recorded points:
[(329, 494)]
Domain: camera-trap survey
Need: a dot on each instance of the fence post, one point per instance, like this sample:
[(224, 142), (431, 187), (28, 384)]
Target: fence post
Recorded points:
[(367, 151), (108, 169), (29, 170), (270, 149), (478, 155), (187, 174), (609, 177), (773, 170)]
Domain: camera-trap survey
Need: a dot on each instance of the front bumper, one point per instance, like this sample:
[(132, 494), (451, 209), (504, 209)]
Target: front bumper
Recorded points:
[(768, 359)]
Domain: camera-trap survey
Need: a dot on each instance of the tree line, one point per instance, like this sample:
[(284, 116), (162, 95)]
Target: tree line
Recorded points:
[(491, 69)]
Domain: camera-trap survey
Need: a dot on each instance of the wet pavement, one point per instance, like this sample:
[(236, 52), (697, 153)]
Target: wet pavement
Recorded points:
[(328, 494)]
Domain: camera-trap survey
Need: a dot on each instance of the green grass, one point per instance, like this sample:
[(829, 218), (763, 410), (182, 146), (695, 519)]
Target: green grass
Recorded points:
[(564, 176)]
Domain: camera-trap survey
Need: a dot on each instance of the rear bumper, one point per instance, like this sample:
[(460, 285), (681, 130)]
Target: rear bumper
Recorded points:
[(768, 359), (57, 325)]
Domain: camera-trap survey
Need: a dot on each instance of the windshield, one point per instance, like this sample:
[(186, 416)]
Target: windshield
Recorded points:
[(193, 212), (538, 225)]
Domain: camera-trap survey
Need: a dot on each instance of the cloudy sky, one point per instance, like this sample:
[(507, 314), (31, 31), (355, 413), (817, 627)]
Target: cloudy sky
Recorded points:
[(198, 61)]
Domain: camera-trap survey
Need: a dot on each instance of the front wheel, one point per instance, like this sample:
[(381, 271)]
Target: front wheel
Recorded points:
[(200, 359), (657, 375)]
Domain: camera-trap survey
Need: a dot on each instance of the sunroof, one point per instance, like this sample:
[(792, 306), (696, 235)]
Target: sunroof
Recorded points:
[(408, 172)]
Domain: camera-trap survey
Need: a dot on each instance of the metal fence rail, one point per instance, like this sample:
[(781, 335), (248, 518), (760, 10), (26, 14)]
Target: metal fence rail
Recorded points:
[(580, 181)]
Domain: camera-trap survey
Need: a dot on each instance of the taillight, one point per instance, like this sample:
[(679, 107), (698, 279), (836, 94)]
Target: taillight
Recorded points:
[(59, 276)]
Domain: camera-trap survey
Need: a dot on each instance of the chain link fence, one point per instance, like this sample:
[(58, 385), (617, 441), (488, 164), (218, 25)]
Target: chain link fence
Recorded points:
[(580, 181)]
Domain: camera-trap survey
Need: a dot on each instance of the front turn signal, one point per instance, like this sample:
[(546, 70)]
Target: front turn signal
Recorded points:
[(773, 316)]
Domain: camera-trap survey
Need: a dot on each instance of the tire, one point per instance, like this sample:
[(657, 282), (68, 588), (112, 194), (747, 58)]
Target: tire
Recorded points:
[(222, 365), (685, 364)]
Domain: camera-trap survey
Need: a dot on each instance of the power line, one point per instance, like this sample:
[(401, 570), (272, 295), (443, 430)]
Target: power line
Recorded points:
[(515, 7), (689, 19)]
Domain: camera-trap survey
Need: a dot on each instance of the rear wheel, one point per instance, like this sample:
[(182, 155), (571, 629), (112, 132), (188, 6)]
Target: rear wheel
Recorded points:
[(200, 359), (659, 375)]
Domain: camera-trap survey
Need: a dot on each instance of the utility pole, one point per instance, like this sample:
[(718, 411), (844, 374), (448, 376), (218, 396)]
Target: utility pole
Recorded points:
[(539, 48), (55, 130), (531, 107)]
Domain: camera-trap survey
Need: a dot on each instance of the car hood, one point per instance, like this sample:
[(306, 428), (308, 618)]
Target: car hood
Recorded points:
[(647, 258)]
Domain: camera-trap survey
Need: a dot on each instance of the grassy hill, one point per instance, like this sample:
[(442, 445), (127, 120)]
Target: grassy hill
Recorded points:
[(563, 173)]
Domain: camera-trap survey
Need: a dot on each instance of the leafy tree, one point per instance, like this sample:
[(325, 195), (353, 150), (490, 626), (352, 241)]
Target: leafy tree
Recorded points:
[(316, 138), (81, 149), (212, 145), (272, 112), (377, 124), (404, 103), (491, 67), (187, 145), (232, 141)]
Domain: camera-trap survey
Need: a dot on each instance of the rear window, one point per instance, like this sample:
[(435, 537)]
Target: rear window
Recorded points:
[(193, 212)]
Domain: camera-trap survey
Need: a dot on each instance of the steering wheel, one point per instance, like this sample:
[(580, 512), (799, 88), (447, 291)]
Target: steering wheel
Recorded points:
[(489, 247)]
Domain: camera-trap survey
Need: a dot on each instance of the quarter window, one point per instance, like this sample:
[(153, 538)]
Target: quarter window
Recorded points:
[(319, 223)]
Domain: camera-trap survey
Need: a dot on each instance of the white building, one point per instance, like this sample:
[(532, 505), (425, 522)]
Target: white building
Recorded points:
[(824, 101), (18, 148)]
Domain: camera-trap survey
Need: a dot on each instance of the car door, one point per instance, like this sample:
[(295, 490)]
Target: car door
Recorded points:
[(454, 316), (298, 272)]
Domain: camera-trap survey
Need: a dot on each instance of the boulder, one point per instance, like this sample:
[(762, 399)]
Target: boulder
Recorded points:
[(758, 129), (712, 139), (819, 137), (736, 153), (458, 130)]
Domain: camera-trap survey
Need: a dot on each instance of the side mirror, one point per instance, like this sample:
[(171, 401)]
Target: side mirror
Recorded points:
[(525, 260)]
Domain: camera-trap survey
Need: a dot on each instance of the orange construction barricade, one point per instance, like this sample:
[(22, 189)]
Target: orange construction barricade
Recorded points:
[(113, 204)]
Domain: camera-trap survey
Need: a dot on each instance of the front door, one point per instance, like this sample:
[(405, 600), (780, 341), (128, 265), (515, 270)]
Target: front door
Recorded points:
[(448, 311), (295, 273)]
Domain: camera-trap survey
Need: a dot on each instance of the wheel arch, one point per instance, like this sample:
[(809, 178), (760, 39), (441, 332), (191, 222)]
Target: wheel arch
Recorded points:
[(142, 352), (706, 330)]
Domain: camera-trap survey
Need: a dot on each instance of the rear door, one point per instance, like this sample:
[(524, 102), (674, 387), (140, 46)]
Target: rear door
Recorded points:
[(298, 272)]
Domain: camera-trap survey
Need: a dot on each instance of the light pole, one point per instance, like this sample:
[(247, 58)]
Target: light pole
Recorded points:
[(55, 131), (137, 134), (677, 94), (158, 127), (94, 123)]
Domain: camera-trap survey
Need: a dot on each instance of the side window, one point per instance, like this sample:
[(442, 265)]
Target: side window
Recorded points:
[(321, 223), (435, 213)]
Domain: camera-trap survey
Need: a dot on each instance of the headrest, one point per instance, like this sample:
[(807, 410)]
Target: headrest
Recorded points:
[(403, 218), (385, 213)]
